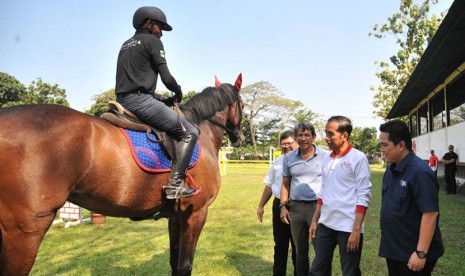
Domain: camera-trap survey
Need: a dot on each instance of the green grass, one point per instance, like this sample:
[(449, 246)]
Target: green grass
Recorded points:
[(233, 242)]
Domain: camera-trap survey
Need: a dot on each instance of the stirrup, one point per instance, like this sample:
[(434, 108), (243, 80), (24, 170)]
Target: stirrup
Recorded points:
[(177, 192)]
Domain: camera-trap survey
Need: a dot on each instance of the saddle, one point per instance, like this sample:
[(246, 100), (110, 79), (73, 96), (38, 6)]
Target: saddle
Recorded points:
[(123, 118)]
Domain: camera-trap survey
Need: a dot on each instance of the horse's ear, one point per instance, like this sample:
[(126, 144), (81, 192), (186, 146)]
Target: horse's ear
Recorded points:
[(238, 83), (217, 81)]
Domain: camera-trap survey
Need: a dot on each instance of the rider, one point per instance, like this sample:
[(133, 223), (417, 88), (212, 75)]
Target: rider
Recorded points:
[(141, 59)]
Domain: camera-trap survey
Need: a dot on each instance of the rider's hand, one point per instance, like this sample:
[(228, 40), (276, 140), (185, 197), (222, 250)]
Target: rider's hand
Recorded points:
[(178, 95), (169, 101)]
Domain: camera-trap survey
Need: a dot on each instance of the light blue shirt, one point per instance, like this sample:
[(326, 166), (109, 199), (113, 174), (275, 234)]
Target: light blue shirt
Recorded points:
[(305, 174)]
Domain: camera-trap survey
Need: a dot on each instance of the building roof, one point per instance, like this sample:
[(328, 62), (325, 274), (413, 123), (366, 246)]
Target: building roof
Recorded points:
[(444, 54)]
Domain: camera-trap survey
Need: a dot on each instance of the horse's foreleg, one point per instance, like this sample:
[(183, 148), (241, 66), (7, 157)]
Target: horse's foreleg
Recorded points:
[(20, 242), (184, 234), (174, 227)]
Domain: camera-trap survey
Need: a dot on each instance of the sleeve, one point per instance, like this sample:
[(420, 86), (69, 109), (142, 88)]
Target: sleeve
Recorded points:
[(270, 176), (286, 169), (425, 190), (159, 61), (362, 178), (168, 80)]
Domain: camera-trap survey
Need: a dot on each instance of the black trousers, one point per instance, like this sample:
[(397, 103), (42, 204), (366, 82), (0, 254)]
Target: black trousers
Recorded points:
[(157, 114), (282, 237), (451, 183), (397, 268), (326, 241)]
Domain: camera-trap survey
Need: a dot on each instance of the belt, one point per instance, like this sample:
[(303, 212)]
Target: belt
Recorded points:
[(304, 201), (125, 94)]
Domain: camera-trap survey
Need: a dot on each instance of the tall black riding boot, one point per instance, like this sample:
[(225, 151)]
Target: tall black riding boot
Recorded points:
[(176, 186)]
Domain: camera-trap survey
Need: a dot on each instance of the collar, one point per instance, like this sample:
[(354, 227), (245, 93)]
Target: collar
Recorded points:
[(316, 150), (342, 153), (141, 31), (400, 167)]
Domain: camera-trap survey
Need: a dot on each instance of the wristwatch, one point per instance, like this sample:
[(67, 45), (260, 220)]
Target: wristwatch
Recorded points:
[(420, 254), (281, 205)]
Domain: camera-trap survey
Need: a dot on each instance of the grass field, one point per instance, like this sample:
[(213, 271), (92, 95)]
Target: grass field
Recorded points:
[(233, 242)]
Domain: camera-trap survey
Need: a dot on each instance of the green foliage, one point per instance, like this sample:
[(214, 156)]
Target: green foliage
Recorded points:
[(307, 115), (101, 103), (265, 103), (11, 90), (39, 92), (303, 115), (365, 139), (187, 96), (412, 28)]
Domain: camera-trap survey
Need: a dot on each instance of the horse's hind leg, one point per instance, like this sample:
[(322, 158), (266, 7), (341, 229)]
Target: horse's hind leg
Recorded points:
[(20, 242)]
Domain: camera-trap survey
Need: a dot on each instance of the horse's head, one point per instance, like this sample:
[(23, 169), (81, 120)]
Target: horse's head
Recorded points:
[(234, 114)]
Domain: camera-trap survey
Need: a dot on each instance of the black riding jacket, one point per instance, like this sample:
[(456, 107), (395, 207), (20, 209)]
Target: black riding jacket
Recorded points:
[(140, 60)]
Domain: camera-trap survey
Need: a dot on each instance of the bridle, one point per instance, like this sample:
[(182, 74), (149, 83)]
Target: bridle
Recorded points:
[(230, 132)]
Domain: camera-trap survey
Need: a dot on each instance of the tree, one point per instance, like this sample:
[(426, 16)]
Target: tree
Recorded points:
[(11, 90), (365, 139), (413, 29), (189, 95), (265, 101), (101, 102), (43, 93), (307, 115)]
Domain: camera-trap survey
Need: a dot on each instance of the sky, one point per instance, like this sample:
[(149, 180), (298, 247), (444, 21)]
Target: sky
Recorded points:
[(317, 52)]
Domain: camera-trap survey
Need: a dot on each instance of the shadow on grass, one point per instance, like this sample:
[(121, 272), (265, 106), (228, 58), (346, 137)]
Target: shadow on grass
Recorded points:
[(102, 264), (157, 265), (247, 264)]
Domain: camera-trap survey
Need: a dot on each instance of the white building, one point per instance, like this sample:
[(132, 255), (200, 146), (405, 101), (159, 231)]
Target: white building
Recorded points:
[(434, 96)]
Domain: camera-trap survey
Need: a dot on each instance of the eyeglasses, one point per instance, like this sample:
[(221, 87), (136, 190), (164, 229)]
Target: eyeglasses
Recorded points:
[(287, 144)]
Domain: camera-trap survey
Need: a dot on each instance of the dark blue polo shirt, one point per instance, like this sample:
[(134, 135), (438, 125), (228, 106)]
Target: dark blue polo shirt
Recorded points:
[(409, 189)]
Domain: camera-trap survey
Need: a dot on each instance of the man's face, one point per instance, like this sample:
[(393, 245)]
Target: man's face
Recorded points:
[(157, 30), (390, 152), (334, 138), (451, 149), (305, 139), (288, 144)]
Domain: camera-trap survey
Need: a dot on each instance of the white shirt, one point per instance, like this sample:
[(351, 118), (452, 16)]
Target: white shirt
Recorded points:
[(345, 183), (274, 178)]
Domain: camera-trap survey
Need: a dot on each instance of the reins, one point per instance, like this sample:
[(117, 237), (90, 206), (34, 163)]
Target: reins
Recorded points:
[(229, 131)]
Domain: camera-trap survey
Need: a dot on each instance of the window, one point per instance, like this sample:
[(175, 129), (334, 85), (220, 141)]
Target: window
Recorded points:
[(457, 114), (456, 101), (423, 119), (413, 125), (438, 112)]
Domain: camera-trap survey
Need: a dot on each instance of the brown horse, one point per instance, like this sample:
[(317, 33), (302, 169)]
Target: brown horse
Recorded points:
[(50, 154)]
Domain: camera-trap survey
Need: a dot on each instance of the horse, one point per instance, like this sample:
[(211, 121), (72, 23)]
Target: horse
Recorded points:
[(51, 154)]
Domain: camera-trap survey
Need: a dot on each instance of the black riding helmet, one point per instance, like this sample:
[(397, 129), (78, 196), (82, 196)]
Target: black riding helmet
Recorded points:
[(153, 13)]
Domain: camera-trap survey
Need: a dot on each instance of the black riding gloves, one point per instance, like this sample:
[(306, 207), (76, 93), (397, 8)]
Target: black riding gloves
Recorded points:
[(178, 94)]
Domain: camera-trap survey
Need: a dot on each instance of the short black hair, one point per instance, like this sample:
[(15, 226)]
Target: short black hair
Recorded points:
[(397, 131), (286, 134), (345, 125), (303, 126)]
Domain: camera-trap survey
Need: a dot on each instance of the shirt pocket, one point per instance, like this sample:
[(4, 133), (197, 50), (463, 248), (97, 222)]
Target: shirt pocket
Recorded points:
[(402, 197)]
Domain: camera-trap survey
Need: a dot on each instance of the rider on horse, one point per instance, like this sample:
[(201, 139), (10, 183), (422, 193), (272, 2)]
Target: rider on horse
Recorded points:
[(141, 59)]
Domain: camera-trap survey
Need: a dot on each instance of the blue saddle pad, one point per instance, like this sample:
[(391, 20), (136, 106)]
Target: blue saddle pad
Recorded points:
[(149, 155)]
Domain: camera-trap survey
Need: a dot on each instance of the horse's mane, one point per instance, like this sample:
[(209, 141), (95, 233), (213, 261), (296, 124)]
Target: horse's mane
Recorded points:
[(211, 100)]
